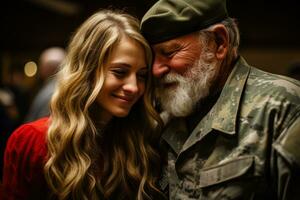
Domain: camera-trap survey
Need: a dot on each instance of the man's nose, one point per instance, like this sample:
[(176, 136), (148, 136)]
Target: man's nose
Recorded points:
[(160, 67)]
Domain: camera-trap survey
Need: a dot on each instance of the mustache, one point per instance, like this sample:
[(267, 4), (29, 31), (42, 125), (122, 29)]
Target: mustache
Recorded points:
[(170, 78)]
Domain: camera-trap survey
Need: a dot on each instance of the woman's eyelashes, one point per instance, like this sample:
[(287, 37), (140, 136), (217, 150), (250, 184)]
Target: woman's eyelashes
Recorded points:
[(121, 73)]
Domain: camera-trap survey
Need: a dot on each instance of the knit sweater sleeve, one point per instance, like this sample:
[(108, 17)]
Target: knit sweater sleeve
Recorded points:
[(24, 159)]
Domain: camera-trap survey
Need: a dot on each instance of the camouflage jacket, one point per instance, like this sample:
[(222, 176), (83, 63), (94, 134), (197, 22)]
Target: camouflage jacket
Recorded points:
[(246, 147)]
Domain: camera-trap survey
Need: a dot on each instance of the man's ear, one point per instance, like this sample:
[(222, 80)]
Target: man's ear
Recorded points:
[(222, 40)]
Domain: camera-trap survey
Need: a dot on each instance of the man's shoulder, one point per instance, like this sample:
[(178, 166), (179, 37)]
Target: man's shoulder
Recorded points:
[(265, 87), (288, 143), (267, 94), (271, 104), (266, 81)]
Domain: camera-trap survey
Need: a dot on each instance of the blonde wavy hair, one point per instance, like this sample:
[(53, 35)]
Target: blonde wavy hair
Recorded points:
[(84, 160)]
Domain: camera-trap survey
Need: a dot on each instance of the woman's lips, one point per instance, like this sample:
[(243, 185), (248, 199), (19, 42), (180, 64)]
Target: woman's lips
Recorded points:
[(128, 99)]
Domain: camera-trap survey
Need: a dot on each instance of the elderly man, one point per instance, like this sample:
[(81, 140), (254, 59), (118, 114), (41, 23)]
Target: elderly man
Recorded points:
[(232, 131)]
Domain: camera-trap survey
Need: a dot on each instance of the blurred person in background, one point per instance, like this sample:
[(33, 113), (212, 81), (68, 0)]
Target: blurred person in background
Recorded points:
[(14, 104), (9, 118), (100, 141), (49, 62)]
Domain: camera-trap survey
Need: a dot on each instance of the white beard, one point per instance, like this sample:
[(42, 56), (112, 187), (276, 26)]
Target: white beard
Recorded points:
[(190, 88)]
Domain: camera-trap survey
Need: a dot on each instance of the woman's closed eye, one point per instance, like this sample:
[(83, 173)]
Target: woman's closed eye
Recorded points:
[(119, 72), (123, 72)]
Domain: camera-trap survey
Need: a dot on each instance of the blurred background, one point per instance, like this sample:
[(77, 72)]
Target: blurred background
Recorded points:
[(270, 33)]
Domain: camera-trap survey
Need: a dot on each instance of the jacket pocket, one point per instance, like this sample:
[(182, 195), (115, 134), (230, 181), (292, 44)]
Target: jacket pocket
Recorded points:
[(226, 171)]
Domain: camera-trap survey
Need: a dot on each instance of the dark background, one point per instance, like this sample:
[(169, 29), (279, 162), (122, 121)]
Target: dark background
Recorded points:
[(34, 24), (269, 29)]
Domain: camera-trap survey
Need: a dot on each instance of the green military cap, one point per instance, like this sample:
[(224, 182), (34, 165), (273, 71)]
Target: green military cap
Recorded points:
[(168, 19)]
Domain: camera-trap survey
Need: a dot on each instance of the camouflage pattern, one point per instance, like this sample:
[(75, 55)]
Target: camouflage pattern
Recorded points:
[(246, 147)]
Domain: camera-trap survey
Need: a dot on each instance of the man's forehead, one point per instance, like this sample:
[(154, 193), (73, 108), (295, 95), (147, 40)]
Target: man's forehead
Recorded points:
[(176, 42), (167, 44)]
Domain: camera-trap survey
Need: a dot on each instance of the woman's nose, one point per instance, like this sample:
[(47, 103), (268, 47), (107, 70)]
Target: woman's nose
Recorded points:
[(131, 85)]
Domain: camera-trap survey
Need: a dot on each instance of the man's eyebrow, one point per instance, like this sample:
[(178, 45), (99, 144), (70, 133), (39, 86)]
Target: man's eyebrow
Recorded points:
[(168, 47), (173, 45)]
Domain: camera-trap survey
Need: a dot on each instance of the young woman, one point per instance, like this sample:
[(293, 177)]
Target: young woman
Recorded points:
[(99, 141)]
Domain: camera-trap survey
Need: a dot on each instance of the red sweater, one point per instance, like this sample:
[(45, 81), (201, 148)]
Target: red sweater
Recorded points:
[(24, 158)]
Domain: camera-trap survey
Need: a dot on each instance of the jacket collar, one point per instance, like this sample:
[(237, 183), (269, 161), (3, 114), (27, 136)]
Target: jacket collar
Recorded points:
[(221, 117), (226, 109)]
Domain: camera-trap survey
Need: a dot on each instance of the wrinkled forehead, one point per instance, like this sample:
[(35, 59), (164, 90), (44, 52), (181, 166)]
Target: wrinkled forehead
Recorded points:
[(177, 42)]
